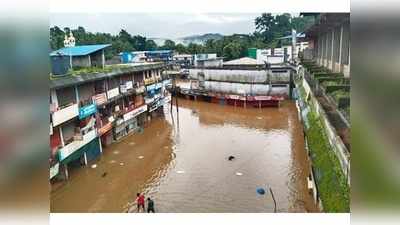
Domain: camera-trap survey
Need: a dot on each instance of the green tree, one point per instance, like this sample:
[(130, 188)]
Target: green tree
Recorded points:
[(56, 38), (168, 45), (150, 45), (231, 51), (180, 48)]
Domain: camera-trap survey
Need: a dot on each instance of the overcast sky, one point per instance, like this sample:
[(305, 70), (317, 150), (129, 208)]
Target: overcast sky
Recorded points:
[(159, 25)]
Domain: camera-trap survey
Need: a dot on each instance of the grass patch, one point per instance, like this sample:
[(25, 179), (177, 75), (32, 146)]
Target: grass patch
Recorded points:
[(332, 184)]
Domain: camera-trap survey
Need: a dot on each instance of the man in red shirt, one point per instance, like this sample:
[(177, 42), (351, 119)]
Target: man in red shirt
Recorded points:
[(140, 202)]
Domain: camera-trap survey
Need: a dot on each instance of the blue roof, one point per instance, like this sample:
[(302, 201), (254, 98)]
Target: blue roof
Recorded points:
[(79, 50)]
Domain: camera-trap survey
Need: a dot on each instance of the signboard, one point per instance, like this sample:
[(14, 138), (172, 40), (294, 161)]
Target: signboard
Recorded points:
[(54, 170), (148, 100), (100, 98), (123, 88), (104, 129), (151, 87), (129, 85), (87, 110), (166, 82), (156, 105), (158, 85), (113, 93), (135, 112)]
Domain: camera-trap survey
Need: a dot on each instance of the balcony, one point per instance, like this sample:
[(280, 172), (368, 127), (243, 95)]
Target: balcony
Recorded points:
[(65, 114), (76, 144)]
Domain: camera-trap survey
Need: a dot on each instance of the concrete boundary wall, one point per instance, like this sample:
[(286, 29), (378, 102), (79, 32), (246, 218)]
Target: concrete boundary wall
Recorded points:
[(335, 141), (241, 76)]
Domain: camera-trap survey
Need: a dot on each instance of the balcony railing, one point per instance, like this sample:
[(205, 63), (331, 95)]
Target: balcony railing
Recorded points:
[(65, 114), (76, 144)]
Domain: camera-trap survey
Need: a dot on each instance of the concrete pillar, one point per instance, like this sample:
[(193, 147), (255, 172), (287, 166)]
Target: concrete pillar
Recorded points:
[(101, 147), (103, 59), (76, 94), (332, 47), (340, 48), (61, 136), (66, 171), (85, 158), (54, 99)]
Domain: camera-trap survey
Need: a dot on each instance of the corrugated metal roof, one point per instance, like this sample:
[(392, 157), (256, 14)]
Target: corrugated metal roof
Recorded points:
[(243, 61), (70, 80), (79, 50)]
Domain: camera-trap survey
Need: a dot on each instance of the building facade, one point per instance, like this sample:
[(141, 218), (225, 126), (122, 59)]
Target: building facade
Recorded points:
[(90, 111)]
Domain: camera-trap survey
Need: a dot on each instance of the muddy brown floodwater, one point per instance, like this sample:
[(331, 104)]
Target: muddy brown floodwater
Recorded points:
[(183, 164)]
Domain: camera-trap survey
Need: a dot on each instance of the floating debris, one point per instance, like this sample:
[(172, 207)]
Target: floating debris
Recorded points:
[(104, 174), (180, 171), (116, 152), (94, 166), (166, 147), (131, 143), (230, 158), (239, 174), (260, 191), (141, 157), (121, 164), (112, 161), (259, 117)]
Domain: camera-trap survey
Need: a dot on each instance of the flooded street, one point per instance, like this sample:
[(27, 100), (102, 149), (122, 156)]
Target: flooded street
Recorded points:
[(183, 165)]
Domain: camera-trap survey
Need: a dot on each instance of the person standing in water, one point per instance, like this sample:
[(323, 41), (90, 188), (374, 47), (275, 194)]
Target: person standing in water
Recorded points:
[(150, 205), (140, 202)]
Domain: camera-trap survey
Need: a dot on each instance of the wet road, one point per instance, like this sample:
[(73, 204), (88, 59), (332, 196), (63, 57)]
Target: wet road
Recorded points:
[(183, 165)]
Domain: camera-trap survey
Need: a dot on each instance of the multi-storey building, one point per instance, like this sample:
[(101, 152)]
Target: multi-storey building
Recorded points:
[(91, 110)]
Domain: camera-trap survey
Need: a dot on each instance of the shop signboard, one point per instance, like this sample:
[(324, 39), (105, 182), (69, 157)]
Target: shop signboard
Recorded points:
[(123, 88), (158, 85), (100, 98), (129, 85), (87, 110), (104, 129), (166, 82), (135, 112), (151, 87), (113, 93)]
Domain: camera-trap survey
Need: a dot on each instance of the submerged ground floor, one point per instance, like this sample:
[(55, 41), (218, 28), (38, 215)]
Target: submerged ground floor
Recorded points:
[(180, 160)]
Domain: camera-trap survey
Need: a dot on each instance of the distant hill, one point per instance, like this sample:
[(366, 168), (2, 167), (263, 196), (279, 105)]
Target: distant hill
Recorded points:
[(197, 39), (200, 39)]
